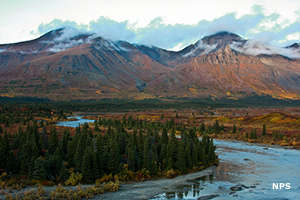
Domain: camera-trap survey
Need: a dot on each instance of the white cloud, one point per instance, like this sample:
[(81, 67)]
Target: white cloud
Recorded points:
[(252, 47), (63, 45), (293, 36), (158, 33)]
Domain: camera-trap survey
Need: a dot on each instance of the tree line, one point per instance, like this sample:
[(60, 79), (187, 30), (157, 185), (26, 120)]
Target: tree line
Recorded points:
[(104, 148)]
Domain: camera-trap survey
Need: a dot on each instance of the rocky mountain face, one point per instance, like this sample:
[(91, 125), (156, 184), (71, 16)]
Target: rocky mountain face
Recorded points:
[(89, 67)]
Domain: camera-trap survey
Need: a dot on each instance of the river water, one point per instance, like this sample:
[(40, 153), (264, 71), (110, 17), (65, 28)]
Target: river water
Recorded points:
[(252, 169), (246, 171), (77, 121)]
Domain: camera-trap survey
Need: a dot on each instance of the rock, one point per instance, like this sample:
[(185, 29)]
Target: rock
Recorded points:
[(221, 188), (238, 187), (207, 197)]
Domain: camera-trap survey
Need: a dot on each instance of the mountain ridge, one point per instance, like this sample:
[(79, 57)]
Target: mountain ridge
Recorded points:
[(86, 66)]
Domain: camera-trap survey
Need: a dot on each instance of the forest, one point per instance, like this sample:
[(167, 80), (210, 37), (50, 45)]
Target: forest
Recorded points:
[(131, 149)]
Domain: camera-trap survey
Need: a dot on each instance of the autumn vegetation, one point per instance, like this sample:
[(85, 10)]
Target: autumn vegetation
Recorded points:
[(104, 153), (124, 146)]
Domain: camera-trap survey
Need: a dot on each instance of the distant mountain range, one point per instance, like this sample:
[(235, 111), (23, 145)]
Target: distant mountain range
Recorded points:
[(84, 66)]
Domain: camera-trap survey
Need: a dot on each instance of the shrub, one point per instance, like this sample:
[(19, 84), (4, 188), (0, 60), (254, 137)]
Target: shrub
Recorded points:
[(111, 186), (142, 175), (74, 179), (104, 179), (171, 173)]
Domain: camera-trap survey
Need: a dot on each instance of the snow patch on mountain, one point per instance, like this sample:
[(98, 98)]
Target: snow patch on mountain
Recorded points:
[(252, 47), (201, 47), (18, 51), (62, 46), (108, 45)]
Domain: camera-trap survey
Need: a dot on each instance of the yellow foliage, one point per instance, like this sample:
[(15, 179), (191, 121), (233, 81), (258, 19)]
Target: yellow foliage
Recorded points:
[(104, 179), (74, 179), (193, 90), (111, 186), (99, 92), (171, 173)]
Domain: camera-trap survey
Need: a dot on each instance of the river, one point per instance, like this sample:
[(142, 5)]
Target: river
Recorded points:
[(77, 121), (246, 171), (250, 168)]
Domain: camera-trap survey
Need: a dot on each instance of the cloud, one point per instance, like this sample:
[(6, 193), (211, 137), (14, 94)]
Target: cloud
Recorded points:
[(252, 47), (256, 25), (61, 46)]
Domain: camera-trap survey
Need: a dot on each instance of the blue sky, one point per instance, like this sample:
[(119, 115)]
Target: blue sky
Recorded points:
[(170, 24)]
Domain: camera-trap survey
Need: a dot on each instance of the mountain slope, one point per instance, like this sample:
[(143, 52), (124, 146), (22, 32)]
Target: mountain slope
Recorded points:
[(85, 66)]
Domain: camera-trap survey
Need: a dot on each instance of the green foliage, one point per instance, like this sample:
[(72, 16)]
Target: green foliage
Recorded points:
[(253, 134), (39, 171), (146, 148), (264, 130), (234, 128)]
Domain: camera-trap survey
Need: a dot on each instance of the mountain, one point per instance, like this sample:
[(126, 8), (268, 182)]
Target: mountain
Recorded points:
[(62, 66), (294, 46)]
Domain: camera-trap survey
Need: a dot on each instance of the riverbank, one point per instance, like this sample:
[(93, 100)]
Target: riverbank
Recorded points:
[(261, 140), (127, 191), (148, 189)]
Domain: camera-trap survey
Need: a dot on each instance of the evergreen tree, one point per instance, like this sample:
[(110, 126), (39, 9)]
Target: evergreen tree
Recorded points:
[(147, 156), (165, 136), (234, 128), (181, 161), (39, 171), (131, 154), (264, 130), (53, 141), (202, 128), (87, 166), (114, 158)]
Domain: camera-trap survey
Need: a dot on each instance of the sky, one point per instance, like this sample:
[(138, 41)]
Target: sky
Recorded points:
[(170, 24)]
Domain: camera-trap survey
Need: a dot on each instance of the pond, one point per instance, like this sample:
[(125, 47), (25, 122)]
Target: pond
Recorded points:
[(78, 120)]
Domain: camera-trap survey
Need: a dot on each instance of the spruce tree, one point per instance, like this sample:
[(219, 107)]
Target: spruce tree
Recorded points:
[(131, 154), (114, 158), (181, 155), (39, 171), (234, 128), (165, 136), (264, 130), (53, 141), (87, 166)]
